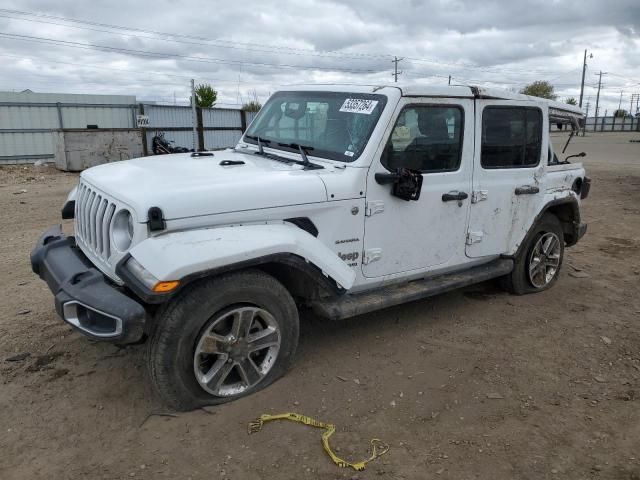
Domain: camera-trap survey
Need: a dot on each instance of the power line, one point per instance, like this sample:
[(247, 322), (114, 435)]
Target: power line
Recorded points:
[(164, 55), (222, 43), (249, 46), (181, 38), (124, 70)]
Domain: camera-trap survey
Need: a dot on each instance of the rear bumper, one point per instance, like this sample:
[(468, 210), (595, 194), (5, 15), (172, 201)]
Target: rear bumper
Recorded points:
[(83, 296)]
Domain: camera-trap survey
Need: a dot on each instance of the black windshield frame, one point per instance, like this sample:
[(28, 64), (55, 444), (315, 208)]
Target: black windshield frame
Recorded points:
[(261, 122)]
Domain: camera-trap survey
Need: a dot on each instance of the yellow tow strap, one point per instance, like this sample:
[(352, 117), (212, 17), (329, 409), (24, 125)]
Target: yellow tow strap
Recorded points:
[(378, 447)]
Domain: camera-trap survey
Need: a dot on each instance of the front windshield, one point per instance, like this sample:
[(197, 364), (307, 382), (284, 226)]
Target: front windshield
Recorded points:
[(334, 125)]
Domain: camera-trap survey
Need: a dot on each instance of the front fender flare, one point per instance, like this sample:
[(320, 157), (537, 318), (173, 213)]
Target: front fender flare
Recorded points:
[(178, 255)]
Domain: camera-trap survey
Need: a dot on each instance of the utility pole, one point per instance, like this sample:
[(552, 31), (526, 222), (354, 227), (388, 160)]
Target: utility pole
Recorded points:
[(598, 95), (449, 79), (395, 73), (584, 69), (586, 117), (194, 120), (620, 102), (635, 97)]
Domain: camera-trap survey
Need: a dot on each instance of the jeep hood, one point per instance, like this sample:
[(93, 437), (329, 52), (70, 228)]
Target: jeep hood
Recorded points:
[(186, 186)]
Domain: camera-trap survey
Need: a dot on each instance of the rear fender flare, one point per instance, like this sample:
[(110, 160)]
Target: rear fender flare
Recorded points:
[(570, 202)]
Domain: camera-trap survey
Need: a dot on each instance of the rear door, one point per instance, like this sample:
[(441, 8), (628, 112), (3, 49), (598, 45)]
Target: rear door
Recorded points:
[(511, 153)]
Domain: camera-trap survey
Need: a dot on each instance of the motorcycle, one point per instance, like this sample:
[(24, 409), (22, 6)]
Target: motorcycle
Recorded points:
[(162, 146)]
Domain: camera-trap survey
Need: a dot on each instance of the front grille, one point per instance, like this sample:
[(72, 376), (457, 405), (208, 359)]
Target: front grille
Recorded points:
[(94, 212)]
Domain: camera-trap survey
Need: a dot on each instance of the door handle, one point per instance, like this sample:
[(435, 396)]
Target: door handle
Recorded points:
[(454, 196), (527, 190)]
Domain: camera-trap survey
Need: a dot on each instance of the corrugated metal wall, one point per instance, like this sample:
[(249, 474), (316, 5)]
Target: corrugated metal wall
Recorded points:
[(616, 124), (221, 127), (230, 120), (27, 119)]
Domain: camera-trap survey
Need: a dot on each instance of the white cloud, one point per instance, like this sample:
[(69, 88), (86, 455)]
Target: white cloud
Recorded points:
[(261, 45)]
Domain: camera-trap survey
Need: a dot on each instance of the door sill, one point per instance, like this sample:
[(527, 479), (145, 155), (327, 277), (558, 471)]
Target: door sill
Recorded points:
[(350, 305)]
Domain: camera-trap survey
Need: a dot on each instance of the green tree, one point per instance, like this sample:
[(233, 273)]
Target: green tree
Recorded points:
[(206, 96), (571, 101), (540, 88), (252, 106), (620, 113)]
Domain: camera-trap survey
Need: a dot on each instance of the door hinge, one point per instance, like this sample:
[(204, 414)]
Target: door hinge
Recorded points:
[(474, 237), (371, 255), (479, 195), (374, 207)]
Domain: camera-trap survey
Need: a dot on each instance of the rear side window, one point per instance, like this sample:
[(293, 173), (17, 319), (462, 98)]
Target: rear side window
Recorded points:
[(511, 137)]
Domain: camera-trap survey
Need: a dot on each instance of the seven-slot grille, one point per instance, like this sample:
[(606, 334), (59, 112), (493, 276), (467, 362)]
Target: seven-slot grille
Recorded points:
[(94, 212)]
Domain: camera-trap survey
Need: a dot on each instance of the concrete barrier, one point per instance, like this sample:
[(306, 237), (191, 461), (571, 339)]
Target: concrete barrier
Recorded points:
[(78, 149)]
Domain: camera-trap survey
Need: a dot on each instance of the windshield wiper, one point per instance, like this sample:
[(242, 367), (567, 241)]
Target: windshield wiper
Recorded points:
[(260, 142), (303, 149)]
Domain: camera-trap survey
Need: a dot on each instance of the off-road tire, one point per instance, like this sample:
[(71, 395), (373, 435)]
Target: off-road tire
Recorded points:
[(172, 342), (518, 282)]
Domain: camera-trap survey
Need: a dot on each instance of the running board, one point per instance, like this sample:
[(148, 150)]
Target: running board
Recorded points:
[(345, 306)]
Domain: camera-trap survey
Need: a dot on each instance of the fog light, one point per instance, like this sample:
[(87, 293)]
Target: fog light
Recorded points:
[(95, 322)]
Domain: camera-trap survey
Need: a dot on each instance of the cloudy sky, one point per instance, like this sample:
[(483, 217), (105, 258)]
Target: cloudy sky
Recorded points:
[(152, 49)]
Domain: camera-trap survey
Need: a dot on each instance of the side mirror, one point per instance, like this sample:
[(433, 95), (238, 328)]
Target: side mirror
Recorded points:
[(407, 183)]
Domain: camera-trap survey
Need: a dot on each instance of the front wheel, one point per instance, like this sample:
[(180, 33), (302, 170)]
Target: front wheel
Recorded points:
[(221, 339), (538, 265)]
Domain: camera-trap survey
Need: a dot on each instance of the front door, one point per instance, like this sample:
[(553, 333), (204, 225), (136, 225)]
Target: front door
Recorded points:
[(510, 158), (435, 138)]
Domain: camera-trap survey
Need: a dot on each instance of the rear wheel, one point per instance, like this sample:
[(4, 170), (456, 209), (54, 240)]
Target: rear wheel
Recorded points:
[(221, 339), (538, 265)]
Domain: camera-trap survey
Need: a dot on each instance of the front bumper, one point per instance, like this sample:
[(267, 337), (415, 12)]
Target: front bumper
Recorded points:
[(582, 229), (84, 297)]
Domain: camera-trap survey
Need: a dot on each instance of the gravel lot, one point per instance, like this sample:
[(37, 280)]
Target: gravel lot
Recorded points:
[(470, 384)]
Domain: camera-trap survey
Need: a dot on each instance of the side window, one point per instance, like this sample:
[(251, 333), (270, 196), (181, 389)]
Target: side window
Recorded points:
[(511, 137), (426, 138)]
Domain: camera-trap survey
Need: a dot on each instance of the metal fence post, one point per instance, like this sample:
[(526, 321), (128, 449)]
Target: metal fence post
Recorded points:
[(194, 120), (200, 129), (243, 120), (59, 108), (145, 148)]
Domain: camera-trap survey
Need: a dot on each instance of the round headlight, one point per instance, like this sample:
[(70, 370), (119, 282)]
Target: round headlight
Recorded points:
[(122, 230)]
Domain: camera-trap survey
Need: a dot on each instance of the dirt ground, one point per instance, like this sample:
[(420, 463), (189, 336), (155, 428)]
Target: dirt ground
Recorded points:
[(470, 384)]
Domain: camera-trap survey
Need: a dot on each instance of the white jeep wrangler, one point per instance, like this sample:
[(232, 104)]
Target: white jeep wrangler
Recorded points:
[(342, 199)]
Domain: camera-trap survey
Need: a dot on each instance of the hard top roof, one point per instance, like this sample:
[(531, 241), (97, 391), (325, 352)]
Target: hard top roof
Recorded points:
[(454, 91)]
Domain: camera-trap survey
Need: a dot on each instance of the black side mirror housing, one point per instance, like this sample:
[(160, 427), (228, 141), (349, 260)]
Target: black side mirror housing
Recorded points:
[(407, 183)]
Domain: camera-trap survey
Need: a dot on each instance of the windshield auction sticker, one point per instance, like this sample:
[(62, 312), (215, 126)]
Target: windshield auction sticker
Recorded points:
[(358, 105)]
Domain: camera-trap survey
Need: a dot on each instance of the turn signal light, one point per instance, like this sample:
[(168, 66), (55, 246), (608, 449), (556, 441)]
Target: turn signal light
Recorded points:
[(164, 287)]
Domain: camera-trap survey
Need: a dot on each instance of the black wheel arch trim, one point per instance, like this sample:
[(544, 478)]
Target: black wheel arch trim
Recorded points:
[(285, 258)]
